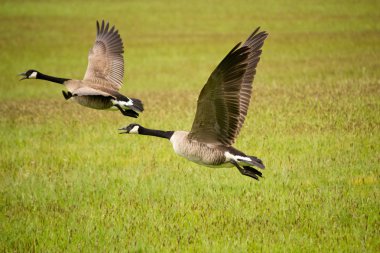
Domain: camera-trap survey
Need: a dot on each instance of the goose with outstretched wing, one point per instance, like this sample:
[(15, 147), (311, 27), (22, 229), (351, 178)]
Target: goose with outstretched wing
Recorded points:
[(221, 110), (100, 86)]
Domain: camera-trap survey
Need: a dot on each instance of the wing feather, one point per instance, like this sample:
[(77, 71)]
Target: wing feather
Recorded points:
[(224, 100), (105, 59)]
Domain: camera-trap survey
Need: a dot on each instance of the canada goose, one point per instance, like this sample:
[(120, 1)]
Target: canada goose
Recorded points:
[(221, 110), (100, 86)]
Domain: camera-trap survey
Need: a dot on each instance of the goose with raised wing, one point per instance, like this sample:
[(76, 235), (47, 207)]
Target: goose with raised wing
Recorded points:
[(100, 86), (221, 111)]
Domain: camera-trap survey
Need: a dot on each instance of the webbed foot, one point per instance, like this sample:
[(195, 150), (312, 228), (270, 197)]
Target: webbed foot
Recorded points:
[(67, 95), (129, 113), (248, 171)]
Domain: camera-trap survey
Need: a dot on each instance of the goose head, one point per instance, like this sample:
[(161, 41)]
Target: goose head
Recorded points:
[(30, 74), (131, 129)]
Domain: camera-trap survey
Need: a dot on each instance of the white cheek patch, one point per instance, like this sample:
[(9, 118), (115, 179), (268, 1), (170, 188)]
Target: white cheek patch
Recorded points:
[(33, 75), (134, 130)]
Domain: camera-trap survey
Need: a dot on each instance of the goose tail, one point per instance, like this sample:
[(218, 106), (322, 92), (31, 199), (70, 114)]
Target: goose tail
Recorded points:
[(256, 162), (137, 105), (128, 106)]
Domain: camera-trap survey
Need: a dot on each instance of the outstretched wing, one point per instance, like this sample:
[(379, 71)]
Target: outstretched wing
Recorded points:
[(105, 58), (254, 42), (224, 100)]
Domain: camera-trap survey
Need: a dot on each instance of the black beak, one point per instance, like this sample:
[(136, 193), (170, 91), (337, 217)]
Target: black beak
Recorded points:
[(123, 129), (23, 76)]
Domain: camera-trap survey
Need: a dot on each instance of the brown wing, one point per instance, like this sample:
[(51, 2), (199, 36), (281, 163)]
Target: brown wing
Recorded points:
[(254, 42), (105, 58), (224, 100)]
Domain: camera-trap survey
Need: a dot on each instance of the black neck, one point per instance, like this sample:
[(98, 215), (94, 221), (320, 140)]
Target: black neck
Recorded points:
[(51, 78), (157, 133)]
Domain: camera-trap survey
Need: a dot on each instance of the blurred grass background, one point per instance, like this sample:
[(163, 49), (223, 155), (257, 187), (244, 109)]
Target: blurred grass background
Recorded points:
[(69, 182)]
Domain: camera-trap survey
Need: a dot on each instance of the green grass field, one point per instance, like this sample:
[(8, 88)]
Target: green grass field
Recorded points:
[(70, 183)]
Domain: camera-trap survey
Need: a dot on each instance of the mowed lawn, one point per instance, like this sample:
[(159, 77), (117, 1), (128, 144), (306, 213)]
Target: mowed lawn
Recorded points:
[(70, 183)]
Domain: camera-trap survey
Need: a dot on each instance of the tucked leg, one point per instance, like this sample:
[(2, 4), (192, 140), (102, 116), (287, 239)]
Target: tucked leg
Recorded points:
[(129, 113), (67, 95), (253, 170), (246, 172)]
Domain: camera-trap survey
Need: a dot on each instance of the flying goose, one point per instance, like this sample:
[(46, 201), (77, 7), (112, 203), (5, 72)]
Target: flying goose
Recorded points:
[(100, 86), (221, 111)]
